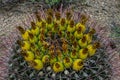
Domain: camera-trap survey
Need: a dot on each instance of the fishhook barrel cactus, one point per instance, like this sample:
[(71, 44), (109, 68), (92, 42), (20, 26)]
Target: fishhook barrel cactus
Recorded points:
[(54, 40), (57, 44)]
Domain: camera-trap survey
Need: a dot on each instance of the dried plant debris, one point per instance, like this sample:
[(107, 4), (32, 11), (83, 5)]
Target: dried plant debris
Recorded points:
[(57, 47)]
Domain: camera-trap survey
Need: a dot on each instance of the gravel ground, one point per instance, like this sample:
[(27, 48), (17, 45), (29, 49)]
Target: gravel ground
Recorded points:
[(106, 12)]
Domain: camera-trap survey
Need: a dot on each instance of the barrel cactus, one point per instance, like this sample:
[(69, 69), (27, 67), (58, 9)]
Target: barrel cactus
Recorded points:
[(57, 46)]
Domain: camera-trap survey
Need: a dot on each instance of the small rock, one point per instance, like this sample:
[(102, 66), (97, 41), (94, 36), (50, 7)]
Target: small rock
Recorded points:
[(48, 68), (41, 73), (53, 75), (66, 72)]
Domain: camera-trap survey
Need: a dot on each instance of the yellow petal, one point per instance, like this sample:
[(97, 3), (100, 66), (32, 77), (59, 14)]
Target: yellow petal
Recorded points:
[(38, 64), (82, 44), (77, 64), (82, 27), (73, 54), (35, 31), (34, 40), (38, 24), (71, 29), (49, 26), (91, 50), (30, 56), (62, 28), (78, 36), (58, 67), (25, 36), (83, 53), (38, 54), (45, 59), (26, 45), (88, 38), (67, 62)]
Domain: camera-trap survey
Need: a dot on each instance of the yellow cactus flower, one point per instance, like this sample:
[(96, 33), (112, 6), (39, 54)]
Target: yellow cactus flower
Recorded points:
[(43, 27), (25, 45), (67, 62), (61, 33), (60, 57), (89, 35), (24, 33), (38, 54), (52, 60), (83, 42), (34, 47), (45, 59), (58, 67), (65, 47), (28, 55), (33, 38), (75, 45), (35, 30), (37, 64), (49, 26), (41, 37), (25, 36), (39, 43), (57, 16), (83, 53), (45, 44), (92, 48), (38, 24), (83, 28), (62, 24), (56, 27), (88, 38), (77, 64), (71, 27), (73, 54), (43, 49), (78, 34), (49, 23), (59, 54)]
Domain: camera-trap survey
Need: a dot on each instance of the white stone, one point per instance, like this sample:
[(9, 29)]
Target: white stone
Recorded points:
[(41, 73), (53, 75), (66, 72), (48, 68)]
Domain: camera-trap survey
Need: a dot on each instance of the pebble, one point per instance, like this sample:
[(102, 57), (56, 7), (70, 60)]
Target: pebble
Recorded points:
[(41, 73), (53, 75), (48, 68), (66, 72)]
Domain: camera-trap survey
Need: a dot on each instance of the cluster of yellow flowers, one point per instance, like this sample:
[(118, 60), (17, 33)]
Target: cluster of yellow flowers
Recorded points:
[(57, 41)]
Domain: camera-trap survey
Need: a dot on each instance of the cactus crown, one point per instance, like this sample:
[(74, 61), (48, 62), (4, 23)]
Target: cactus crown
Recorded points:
[(53, 37)]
